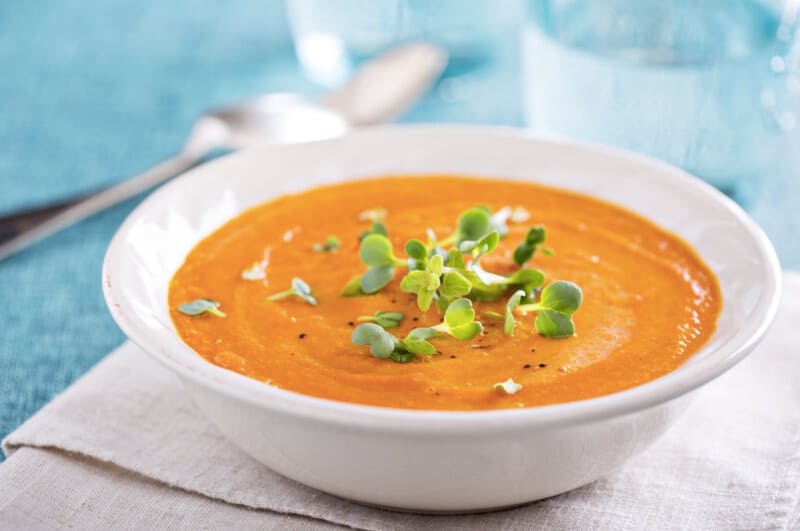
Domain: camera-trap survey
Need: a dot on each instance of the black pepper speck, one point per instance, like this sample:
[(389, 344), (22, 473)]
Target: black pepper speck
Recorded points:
[(303, 335), (542, 365), (526, 366)]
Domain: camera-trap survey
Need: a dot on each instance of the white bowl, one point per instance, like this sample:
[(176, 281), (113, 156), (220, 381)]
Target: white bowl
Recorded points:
[(434, 460)]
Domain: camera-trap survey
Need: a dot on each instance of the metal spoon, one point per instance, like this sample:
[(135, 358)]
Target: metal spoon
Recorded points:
[(380, 90)]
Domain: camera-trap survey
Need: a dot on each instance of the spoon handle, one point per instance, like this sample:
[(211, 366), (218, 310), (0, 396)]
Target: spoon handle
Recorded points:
[(19, 230)]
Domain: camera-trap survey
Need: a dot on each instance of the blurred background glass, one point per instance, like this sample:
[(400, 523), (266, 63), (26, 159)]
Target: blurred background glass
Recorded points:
[(481, 37), (712, 86), (691, 82)]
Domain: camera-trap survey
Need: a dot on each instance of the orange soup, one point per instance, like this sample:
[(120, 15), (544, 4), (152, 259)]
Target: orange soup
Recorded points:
[(648, 303)]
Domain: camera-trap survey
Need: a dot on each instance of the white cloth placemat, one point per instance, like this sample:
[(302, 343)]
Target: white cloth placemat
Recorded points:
[(126, 432)]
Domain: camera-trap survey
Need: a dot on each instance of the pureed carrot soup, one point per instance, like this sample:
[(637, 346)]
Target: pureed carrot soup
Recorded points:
[(444, 293)]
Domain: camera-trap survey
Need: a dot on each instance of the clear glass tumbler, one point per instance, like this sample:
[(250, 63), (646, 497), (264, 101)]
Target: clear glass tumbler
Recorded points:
[(688, 81), (481, 38)]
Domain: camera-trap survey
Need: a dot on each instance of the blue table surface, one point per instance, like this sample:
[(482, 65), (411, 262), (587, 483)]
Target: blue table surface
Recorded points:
[(95, 91)]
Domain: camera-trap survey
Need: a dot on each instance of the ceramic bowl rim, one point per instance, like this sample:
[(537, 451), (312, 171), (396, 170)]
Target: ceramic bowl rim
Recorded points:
[(650, 394)]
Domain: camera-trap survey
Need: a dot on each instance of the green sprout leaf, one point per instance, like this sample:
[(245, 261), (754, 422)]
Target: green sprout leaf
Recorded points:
[(485, 245), (353, 288), (526, 280), (299, 289), (488, 287), (331, 245), (556, 325), (200, 307), (417, 341), (472, 225), (381, 343), (417, 255), (386, 346), (376, 278), (512, 304), (377, 228), (562, 296), (509, 387), (524, 252), (455, 259), (402, 357), (557, 302), (459, 320), (376, 252), (454, 285), (424, 283), (386, 320)]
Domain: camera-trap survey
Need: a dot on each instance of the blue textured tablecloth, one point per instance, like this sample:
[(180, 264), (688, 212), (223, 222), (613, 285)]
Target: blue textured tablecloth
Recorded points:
[(94, 91)]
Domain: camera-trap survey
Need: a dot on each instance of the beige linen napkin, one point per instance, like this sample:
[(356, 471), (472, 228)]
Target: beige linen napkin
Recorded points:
[(107, 452)]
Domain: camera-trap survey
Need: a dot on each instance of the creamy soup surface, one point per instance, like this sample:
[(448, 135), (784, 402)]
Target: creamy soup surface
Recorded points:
[(649, 302)]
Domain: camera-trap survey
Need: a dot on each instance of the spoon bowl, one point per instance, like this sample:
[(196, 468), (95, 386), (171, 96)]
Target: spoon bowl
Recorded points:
[(283, 118)]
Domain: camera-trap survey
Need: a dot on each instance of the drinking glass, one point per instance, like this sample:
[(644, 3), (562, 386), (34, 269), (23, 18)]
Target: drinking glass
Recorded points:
[(696, 83), (481, 38)]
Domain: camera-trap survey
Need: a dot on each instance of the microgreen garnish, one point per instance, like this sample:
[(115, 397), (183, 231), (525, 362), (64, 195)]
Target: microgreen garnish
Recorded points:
[(402, 357), (373, 215), (525, 250), (424, 283), (201, 306), (377, 228), (376, 252), (454, 285), (353, 288), (417, 254), (386, 320), (513, 302), (299, 289), (449, 272), (509, 387), (331, 244), (486, 244), (255, 272), (417, 342), (381, 343), (471, 225), (377, 216), (458, 322), (557, 302)]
